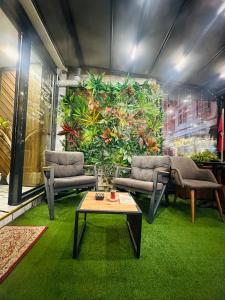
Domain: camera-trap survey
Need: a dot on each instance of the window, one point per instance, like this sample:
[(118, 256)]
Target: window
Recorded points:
[(203, 109), (39, 120), (8, 61), (182, 116)]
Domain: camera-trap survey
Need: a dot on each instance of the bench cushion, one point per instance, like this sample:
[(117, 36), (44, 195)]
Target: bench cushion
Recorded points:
[(75, 181), (135, 184), (66, 164), (142, 167)]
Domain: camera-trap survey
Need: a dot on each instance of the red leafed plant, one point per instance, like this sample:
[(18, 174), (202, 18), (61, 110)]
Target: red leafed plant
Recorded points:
[(71, 131)]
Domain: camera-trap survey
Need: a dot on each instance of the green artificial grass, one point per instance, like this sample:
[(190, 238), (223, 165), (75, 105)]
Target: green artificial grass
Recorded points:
[(179, 260)]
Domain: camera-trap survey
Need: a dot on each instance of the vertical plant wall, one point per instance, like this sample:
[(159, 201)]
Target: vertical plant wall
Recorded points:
[(112, 121)]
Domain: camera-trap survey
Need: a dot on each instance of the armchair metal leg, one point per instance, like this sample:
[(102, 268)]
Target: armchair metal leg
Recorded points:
[(51, 204), (154, 204), (151, 208), (175, 197), (167, 199), (193, 202), (219, 204)]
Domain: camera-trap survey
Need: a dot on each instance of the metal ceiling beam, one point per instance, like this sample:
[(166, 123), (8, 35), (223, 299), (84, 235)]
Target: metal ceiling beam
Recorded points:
[(141, 76), (167, 36), (108, 71), (112, 9), (71, 26), (212, 60)]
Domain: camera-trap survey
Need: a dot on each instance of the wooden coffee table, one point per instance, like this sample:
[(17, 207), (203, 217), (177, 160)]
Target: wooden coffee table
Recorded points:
[(90, 205)]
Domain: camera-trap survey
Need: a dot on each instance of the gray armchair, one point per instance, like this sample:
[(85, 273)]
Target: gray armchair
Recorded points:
[(148, 175), (65, 171), (187, 175)]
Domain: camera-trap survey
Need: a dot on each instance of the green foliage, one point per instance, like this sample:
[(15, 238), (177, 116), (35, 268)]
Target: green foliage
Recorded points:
[(4, 124), (5, 131), (204, 156), (112, 121)]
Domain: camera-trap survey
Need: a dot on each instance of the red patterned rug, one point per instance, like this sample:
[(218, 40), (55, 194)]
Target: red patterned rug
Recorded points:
[(15, 242)]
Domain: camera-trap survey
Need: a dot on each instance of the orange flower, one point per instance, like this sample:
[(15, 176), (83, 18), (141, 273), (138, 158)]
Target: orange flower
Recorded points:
[(93, 105), (107, 135), (152, 145)]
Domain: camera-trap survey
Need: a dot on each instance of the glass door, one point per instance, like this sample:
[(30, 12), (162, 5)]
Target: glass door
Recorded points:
[(8, 63), (38, 121)]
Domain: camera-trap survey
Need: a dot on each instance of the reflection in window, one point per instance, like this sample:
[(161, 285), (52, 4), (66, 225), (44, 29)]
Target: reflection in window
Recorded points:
[(38, 128), (190, 125), (8, 61)]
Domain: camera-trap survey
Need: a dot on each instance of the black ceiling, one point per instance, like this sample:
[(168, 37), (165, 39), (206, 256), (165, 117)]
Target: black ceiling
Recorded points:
[(175, 40)]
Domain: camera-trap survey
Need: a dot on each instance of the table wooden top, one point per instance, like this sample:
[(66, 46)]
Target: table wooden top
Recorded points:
[(89, 203)]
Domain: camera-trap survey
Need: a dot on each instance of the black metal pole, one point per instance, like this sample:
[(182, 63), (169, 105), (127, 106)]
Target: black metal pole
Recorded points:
[(19, 121), (54, 112)]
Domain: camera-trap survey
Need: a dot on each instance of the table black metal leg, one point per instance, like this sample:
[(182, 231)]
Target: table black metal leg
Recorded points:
[(134, 223), (78, 237)]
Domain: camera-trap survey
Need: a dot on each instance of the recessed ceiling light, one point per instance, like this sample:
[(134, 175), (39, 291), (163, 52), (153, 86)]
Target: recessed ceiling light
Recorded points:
[(181, 64), (222, 75), (221, 9), (133, 53)]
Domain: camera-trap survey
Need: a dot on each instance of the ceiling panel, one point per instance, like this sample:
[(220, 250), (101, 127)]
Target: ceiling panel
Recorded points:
[(197, 36), (54, 20), (213, 75), (92, 19), (140, 28), (157, 19), (127, 15)]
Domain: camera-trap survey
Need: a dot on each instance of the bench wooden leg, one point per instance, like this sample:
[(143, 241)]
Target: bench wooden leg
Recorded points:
[(193, 200)]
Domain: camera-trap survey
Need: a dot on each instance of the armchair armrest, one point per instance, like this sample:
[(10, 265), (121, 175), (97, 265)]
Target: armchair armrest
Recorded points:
[(49, 173), (92, 167), (164, 174), (176, 176), (119, 168)]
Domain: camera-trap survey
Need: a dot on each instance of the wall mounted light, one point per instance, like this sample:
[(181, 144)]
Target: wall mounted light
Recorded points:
[(11, 53), (170, 111), (187, 99)]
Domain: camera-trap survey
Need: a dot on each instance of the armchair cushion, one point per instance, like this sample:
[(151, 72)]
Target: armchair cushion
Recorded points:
[(136, 184), (142, 167), (75, 181), (199, 184), (66, 164), (184, 171)]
